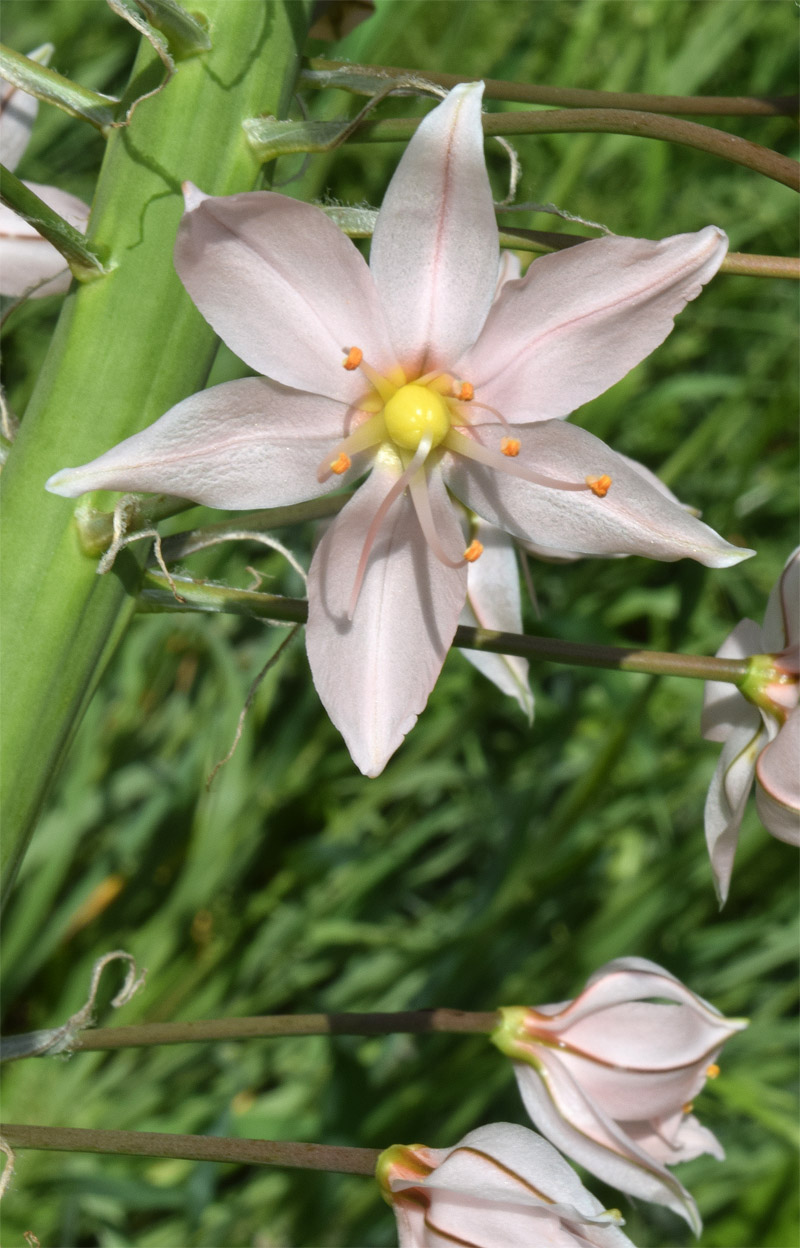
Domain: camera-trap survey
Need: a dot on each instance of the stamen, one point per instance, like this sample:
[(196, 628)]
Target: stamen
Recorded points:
[(687, 1108), (712, 1071), (466, 392), (397, 489), (510, 447), (422, 505), (599, 485), (485, 408), (368, 434), (473, 551), (468, 447), (354, 357)]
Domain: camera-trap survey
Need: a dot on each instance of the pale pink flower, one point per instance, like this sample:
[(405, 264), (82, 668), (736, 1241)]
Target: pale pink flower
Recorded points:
[(760, 728), (502, 1186), (610, 1077), (28, 263), (418, 334)]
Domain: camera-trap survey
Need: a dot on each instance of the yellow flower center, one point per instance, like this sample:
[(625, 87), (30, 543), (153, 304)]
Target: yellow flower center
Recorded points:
[(414, 411)]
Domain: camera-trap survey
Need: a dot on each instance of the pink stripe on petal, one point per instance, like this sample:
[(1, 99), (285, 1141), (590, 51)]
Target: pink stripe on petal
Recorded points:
[(778, 787), (374, 674), (634, 517), (284, 288), (582, 318), (434, 252), (239, 445)]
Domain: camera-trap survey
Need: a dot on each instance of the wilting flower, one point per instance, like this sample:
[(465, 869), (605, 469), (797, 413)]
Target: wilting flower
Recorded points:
[(610, 1077), (28, 263), (760, 728), (502, 1186), (441, 390)]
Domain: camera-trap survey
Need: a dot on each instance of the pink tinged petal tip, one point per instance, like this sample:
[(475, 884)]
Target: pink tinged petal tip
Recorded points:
[(582, 318), (635, 517), (434, 253), (243, 444), (374, 673), (284, 288)]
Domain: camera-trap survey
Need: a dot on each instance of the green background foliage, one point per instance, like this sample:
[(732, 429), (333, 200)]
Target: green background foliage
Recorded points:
[(490, 863)]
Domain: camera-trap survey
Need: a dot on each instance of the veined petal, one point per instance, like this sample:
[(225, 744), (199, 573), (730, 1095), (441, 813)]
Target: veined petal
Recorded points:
[(782, 617), (579, 1128), (634, 518), (374, 673), (27, 259), (727, 798), (493, 601), (681, 1139), (434, 252), (724, 707), (242, 444), (637, 979), (284, 288), (582, 318), (778, 787)]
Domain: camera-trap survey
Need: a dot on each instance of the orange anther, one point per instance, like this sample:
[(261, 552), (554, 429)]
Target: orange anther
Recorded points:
[(688, 1107), (599, 485), (341, 464), (354, 357), (510, 447), (466, 391), (712, 1071), (473, 551)]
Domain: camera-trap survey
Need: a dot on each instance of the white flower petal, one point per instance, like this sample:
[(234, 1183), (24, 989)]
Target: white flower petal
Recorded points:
[(434, 252), (374, 673), (493, 601), (284, 288), (242, 444), (581, 319), (634, 518)]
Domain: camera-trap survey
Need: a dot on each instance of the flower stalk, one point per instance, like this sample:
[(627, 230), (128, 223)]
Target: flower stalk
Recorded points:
[(156, 596), (364, 79), (337, 1158), (270, 139)]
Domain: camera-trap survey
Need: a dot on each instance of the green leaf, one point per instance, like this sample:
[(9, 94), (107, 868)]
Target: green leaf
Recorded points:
[(85, 261), (53, 88)]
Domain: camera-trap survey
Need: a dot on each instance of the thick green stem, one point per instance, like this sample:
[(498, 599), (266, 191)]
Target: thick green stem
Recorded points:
[(364, 79), (337, 1158), (199, 596), (126, 348)]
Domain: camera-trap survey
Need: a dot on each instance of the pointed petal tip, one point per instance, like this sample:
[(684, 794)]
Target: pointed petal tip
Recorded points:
[(192, 196), (62, 483)]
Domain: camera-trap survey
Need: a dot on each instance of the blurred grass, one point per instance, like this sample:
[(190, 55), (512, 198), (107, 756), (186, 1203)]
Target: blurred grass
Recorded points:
[(490, 863)]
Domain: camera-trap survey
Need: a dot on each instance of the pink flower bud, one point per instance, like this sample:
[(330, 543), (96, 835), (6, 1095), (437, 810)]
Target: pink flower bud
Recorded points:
[(610, 1077), (501, 1185)]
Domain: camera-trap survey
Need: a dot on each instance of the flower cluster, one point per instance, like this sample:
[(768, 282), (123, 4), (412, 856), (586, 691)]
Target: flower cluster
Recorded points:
[(418, 369)]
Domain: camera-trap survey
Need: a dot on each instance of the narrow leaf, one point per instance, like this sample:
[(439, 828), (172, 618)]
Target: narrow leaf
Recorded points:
[(53, 88), (85, 261), (185, 34)]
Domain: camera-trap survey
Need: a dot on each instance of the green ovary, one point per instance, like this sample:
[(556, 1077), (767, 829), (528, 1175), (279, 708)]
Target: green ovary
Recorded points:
[(413, 412)]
